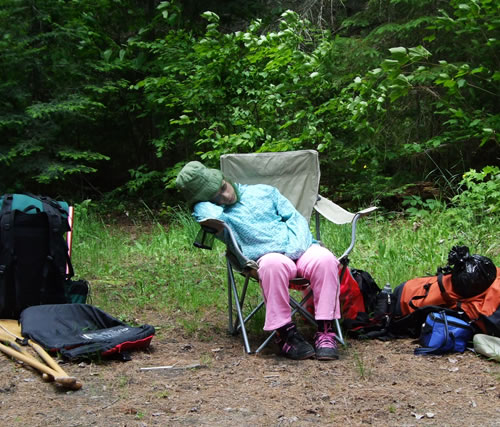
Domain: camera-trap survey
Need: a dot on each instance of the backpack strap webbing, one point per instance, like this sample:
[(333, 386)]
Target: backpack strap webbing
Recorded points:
[(427, 287), (447, 336), (58, 250), (446, 295), (7, 246)]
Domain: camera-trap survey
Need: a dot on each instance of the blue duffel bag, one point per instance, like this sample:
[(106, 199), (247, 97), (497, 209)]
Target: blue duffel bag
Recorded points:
[(443, 333)]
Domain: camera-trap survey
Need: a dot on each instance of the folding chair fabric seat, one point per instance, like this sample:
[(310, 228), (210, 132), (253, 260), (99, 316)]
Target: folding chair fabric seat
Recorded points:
[(296, 174)]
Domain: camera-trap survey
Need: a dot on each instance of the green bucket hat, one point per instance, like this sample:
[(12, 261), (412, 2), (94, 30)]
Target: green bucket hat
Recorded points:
[(198, 183)]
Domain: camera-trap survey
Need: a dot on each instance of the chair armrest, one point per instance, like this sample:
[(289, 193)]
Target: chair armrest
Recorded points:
[(209, 230), (336, 214), (233, 252), (213, 225)]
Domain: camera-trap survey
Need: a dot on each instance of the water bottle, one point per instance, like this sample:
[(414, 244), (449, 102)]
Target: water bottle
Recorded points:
[(384, 297)]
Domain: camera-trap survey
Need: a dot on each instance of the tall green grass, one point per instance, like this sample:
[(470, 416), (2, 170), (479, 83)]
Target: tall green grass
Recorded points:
[(147, 270)]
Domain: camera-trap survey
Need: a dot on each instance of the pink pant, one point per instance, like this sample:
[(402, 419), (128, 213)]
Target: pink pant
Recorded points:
[(318, 265)]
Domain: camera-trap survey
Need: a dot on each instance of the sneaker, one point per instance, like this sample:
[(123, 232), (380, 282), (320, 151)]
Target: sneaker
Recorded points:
[(292, 344), (326, 345)]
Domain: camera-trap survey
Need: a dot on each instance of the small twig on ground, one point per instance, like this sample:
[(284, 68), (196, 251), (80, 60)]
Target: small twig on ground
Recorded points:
[(108, 405), (175, 367)]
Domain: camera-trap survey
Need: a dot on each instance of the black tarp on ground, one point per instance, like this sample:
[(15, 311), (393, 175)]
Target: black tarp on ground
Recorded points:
[(82, 330)]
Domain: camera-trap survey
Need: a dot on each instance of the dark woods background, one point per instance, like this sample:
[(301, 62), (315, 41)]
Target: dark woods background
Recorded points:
[(108, 99)]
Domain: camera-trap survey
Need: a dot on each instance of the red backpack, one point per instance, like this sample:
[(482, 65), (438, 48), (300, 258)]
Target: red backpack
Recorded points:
[(359, 295)]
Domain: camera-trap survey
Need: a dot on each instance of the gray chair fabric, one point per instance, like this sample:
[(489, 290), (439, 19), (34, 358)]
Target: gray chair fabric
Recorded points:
[(294, 173)]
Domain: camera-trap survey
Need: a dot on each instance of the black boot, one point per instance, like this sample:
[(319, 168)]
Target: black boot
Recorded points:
[(292, 344)]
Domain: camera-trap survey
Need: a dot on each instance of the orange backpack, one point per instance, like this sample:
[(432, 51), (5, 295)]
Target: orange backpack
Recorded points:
[(482, 310)]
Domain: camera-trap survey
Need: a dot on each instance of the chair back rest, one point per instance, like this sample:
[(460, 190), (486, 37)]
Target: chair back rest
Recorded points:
[(294, 173)]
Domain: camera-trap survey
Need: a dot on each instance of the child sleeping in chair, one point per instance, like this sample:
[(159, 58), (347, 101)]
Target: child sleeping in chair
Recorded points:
[(272, 232)]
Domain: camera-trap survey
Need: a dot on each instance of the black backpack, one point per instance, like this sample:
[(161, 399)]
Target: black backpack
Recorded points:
[(34, 262)]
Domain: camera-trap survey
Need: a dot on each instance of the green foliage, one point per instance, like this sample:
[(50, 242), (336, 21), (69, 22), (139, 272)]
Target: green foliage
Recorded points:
[(62, 65), (480, 195), (238, 92), (115, 96), (471, 213), (438, 103), (294, 88), (250, 91), (419, 208)]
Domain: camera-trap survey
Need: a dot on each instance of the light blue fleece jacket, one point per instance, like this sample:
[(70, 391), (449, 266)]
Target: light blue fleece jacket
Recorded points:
[(263, 221)]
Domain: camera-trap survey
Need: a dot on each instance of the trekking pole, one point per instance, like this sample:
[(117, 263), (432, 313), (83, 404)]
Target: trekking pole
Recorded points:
[(66, 381), (10, 327)]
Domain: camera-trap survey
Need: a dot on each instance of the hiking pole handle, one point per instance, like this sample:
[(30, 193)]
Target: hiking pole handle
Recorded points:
[(69, 382)]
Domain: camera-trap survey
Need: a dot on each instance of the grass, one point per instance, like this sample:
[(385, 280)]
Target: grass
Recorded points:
[(146, 267), (363, 370)]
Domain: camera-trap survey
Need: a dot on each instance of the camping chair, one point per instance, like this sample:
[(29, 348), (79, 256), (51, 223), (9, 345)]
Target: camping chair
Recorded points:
[(296, 174)]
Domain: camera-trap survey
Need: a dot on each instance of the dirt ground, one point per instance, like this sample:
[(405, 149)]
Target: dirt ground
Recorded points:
[(216, 384)]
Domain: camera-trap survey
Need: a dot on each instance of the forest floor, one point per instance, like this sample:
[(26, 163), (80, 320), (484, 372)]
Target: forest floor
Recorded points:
[(214, 383)]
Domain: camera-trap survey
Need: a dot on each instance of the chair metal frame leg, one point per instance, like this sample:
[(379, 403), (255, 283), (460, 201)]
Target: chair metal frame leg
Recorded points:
[(236, 325), (239, 324), (255, 310), (233, 295), (297, 307)]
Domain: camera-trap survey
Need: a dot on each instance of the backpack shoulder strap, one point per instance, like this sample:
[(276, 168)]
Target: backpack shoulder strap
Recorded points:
[(58, 251), (6, 232), (54, 204), (7, 203), (6, 248), (447, 336), (444, 293)]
